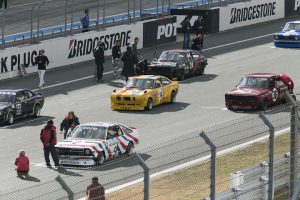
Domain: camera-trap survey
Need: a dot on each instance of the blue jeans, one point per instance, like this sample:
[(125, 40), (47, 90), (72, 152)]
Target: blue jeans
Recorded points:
[(186, 40)]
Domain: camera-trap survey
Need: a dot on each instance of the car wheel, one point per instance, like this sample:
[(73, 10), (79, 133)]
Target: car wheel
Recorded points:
[(10, 118), (173, 97), (100, 158), (263, 105), (149, 104), (201, 70), (180, 76), (37, 111), (130, 149)]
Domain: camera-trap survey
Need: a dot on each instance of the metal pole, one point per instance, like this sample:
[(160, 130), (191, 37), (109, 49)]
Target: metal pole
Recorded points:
[(103, 16), (133, 11), (271, 155), (169, 6), (213, 164), (98, 14), (38, 19), (72, 16), (294, 142), (65, 187), (141, 8), (128, 10), (31, 23), (157, 4), (142, 163), (66, 16), (162, 6), (3, 11)]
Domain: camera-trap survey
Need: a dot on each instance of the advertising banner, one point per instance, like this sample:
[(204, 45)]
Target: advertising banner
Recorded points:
[(292, 7), (159, 31), (67, 50), (250, 12)]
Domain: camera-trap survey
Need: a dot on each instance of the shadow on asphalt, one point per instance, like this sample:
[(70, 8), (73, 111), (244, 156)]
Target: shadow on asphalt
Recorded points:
[(62, 170), (203, 78), (27, 122), (30, 178), (271, 110)]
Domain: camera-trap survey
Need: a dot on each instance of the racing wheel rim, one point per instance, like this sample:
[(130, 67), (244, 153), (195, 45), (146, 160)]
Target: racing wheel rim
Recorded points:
[(100, 158), (37, 111), (10, 118), (173, 97), (130, 149), (149, 104)]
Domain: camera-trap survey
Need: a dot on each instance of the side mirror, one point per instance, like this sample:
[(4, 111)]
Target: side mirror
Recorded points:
[(114, 90)]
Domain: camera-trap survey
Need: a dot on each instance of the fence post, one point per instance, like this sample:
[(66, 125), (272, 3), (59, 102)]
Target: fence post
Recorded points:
[(133, 11), (271, 155), (98, 14), (3, 12), (141, 8), (66, 16), (157, 5), (294, 142), (72, 16), (65, 187), (213, 164), (142, 163), (38, 19), (103, 14)]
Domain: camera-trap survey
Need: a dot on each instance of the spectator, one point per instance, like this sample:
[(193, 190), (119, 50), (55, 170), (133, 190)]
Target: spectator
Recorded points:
[(116, 55), (134, 46), (42, 61), (22, 164), (95, 191), (70, 122), (85, 21), (197, 43), (198, 26), (186, 29), (3, 4), (49, 138), (129, 60), (99, 60)]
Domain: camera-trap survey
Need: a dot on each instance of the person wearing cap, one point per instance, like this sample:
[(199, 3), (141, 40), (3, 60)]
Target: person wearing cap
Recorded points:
[(22, 164), (42, 61), (85, 21), (99, 60), (116, 55), (48, 137), (130, 60), (69, 122), (197, 43), (95, 191)]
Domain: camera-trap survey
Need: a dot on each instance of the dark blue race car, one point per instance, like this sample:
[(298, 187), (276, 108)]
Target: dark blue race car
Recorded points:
[(289, 36)]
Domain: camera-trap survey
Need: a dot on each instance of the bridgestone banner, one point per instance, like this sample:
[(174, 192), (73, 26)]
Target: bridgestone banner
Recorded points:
[(250, 12)]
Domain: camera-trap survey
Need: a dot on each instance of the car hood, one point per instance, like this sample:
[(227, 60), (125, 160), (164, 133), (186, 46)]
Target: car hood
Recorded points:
[(80, 143), (4, 105), (288, 33), (163, 64), (130, 91), (247, 91)]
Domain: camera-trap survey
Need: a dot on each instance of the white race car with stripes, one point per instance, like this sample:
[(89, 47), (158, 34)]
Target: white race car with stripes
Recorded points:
[(94, 143)]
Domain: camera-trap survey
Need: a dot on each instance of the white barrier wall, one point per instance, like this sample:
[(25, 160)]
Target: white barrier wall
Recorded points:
[(250, 12), (67, 50)]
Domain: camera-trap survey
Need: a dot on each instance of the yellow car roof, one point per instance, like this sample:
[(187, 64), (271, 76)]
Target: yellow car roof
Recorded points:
[(147, 77)]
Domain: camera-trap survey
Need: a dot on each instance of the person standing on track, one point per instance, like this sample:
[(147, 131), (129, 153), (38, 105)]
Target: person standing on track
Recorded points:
[(186, 29), (95, 191), (42, 61), (70, 122), (116, 55), (134, 46), (129, 60), (99, 60), (48, 137), (85, 21)]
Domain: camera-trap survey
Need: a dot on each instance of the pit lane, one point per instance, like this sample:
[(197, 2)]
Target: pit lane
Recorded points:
[(197, 97)]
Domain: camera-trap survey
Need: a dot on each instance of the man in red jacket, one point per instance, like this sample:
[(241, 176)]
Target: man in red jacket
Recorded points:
[(49, 139), (22, 164), (95, 191)]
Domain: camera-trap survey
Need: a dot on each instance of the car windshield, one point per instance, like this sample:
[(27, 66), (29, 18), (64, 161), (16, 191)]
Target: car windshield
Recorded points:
[(254, 82), (139, 83), (89, 132), (172, 56), (292, 26), (7, 97)]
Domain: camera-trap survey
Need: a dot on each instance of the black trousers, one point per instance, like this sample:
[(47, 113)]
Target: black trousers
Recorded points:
[(99, 71), (51, 149), (3, 3)]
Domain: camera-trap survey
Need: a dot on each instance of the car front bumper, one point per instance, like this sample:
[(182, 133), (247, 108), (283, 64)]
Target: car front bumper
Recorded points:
[(77, 161), (286, 43), (117, 106), (242, 105)]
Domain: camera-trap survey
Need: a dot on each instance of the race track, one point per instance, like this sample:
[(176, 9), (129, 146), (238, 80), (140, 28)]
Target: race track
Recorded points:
[(200, 102)]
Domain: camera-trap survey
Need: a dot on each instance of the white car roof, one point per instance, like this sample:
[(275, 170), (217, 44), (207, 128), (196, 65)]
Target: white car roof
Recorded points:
[(102, 124)]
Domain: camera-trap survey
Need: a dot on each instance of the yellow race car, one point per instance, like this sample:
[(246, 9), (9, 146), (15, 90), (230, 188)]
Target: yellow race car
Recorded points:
[(144, 92)]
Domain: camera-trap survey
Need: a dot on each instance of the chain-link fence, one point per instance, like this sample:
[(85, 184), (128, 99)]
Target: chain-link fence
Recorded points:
[(44, 19), (252, 157)]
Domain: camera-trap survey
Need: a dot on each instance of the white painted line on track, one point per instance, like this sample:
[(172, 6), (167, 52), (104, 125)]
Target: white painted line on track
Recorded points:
[(110, 72), (25, 122), (195, 162)]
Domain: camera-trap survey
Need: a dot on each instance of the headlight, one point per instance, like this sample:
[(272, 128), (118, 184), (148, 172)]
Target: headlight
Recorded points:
[(276, 37), (296, 38)]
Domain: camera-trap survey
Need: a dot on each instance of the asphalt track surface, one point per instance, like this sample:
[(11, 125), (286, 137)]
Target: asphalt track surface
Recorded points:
[(200, 104)]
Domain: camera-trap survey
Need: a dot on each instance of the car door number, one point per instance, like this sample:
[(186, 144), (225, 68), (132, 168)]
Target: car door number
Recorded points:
[(18, 109)]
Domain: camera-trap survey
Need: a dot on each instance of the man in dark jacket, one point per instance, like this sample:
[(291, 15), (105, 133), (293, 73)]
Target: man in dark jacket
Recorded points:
[(198, 26), (42, 61), (129, 60), (95, 191), (49, 138), (197, 43), (99, 60), (134, 46), (70, 122), (186, 29), (116, 55)]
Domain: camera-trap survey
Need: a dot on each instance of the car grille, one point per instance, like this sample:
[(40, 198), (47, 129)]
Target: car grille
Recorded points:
[(70, 151), (238, 99), (281, 37), (126, 98), (161, 70)]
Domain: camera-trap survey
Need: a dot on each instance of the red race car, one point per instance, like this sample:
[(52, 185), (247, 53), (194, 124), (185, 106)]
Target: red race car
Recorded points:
[(259, 91)]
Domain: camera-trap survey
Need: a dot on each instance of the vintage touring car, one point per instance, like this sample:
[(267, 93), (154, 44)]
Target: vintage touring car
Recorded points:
[(289, 36)]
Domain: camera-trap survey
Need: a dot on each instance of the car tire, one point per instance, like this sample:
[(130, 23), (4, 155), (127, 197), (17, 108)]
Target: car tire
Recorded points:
[(100, 158), (149, 105), (201, 70), (263, 105), (130, 149), (10, 118), (180, 76), (173, 97), (37, 110)]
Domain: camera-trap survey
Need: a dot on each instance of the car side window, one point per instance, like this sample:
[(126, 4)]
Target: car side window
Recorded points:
[(165, 82), (112, 132), (157, 83), (28, 94), (20, 97), (278, 84), (272, 83)]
